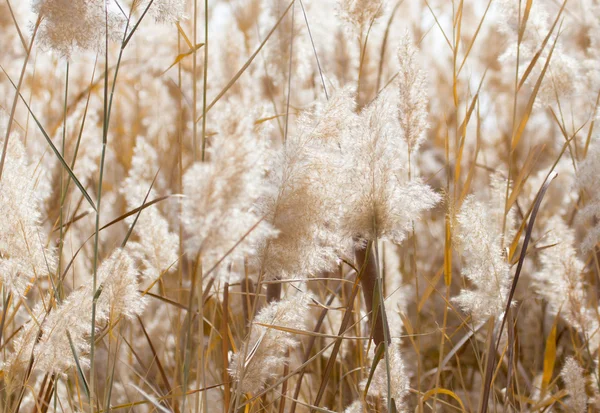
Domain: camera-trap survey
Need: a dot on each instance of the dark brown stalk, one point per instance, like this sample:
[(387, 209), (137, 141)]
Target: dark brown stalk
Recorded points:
[(248, 295), (493, 349), (338, 343), (48, 396), (310, 346), (273, 292), (368, 283), (40, 397), (286, 371), (156, 359)]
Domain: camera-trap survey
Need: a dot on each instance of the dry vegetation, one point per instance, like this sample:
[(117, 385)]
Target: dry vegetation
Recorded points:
[(244, 206)]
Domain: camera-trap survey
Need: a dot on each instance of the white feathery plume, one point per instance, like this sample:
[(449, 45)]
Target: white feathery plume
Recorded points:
[(119, 296), (305, 208), (479, 234), (71, 25), (168, 11), (563, 73), (560, 281), (220, 212), (588, 179), (23, 255), (574, 377), (360, 13), (265, 352), (399, 381), (355, 407), (412, 88), (379, 200), (155, 246), (144, 165)]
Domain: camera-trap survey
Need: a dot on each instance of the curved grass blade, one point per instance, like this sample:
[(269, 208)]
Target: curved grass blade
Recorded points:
[(79, 370), (54, 149), (494, 349)]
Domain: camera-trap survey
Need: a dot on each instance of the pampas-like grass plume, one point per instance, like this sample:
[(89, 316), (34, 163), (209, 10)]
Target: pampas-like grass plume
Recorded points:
[(360, 13), (379, 199), (23, 252), (588, 178), (48, 337), (155, 246), (412, 89), (168, 11), (221, 214), (574, 379), (305, 207), (75, 25), (399, 382), (252, 192), (479, 234), (264, 354), (561, 281)]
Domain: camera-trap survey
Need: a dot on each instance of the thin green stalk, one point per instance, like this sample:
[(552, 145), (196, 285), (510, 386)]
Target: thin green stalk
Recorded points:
[(62, 183), (386, 331), (312, 42), (127, 38), (195, 89), (87, 104), (97, 232), (204, 86), (107, 108), (248, 62), (180, 209), (6, 299)]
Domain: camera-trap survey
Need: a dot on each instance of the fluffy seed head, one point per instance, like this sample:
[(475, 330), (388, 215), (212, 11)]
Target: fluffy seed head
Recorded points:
[(412, 88), (53, 353), (479, 233), (574, 377), (264, 353), (168, 11), (220, 209), (379, 199), (23, 255), (588, 178), (71, 25)]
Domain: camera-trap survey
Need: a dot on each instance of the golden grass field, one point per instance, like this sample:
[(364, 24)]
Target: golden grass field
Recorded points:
[(294, 206)]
